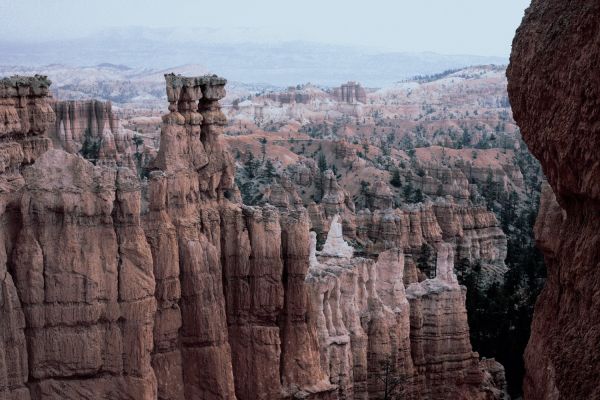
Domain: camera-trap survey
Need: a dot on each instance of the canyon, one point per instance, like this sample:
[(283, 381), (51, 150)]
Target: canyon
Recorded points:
[(166, 234), (157, 282)]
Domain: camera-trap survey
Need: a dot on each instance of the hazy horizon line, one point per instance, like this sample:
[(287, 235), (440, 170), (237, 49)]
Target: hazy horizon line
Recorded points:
[(105, 33)]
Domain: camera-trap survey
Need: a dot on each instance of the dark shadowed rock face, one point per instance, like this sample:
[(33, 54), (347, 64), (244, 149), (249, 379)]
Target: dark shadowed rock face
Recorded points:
[(554, 88)]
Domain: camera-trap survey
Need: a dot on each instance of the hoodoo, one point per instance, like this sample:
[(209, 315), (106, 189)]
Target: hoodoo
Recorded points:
[(163, 285)]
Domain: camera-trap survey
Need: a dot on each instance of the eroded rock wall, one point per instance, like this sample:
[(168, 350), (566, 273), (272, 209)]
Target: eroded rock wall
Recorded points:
[(554, 90), (367, 320), (25, 114), (168, 287), (90, 127)]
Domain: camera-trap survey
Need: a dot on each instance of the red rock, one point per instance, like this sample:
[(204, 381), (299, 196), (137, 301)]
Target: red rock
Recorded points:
[(170, 288), (554, 90)]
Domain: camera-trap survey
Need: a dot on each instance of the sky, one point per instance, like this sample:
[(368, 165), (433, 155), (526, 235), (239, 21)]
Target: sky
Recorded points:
[(478, 27)]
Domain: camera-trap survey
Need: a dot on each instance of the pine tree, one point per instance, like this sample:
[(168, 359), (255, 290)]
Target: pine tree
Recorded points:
[(137, 141), (322, 162), (270, 169), (263, 148), (364, 191), (424, 261), (417, 196), (250, 166), (390, 379), (396, 181), (408, 191)]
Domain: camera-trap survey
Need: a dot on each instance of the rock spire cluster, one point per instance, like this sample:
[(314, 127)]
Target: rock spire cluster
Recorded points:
[(168, 287)]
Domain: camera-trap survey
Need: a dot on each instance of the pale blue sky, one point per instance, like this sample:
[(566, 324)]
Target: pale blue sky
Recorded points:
[(482, 27)]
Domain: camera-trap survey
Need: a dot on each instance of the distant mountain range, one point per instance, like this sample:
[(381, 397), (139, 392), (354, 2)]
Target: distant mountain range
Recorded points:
[(275, 63)]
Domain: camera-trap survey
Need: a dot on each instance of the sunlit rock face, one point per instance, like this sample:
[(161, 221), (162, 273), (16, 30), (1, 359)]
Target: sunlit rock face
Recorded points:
[(168, 287), (554, 90), (335, 246)]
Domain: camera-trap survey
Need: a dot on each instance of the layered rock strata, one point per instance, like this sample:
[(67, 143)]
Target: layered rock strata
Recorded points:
[(169, 288), (25, 114), (366, 318), (554, 90), (91, 127), (473, 232)]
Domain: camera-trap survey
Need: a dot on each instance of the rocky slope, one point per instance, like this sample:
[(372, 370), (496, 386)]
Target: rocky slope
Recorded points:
[(554, 91), (168, 287)]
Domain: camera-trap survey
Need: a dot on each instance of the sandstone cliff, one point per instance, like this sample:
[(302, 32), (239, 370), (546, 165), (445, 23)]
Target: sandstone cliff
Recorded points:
[(92, 129), (554, 90), (366, 318), (117, 287)]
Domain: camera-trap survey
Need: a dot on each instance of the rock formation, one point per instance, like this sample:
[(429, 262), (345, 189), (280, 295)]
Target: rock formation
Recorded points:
[(350, 92), (91, 128), (554, 90), (335, 245), (117, 287), (473, 232), (365, 318)]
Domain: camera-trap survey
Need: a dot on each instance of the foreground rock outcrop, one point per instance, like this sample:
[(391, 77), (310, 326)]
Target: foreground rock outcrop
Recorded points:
[(554, 91), (168, 287)]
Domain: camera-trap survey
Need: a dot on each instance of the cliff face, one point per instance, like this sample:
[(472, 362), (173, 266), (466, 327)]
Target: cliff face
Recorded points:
[(473, 232), (91, 128), (169, 288), (554, 92), (367, 319)]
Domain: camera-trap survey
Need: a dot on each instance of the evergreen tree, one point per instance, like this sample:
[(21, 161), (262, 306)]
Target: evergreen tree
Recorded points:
[(322, 162), (263, 148), (417, 196), (137, 141), (270, 171), (408, 191), (390, 379), (364, 192), (424, 261), (396, 181), (251, 165), (90, 148), (334, 170)]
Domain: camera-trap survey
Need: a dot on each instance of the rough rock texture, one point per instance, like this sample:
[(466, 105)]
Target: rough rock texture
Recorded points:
[(380, 197), (25, 114), (115, 287), (365, 317), (76, 119), (554, 90), (350, 92), (82, 124), (473, 232), (84, 275)]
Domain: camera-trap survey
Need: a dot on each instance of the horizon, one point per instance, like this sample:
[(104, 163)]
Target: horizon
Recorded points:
[(466, 27)]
